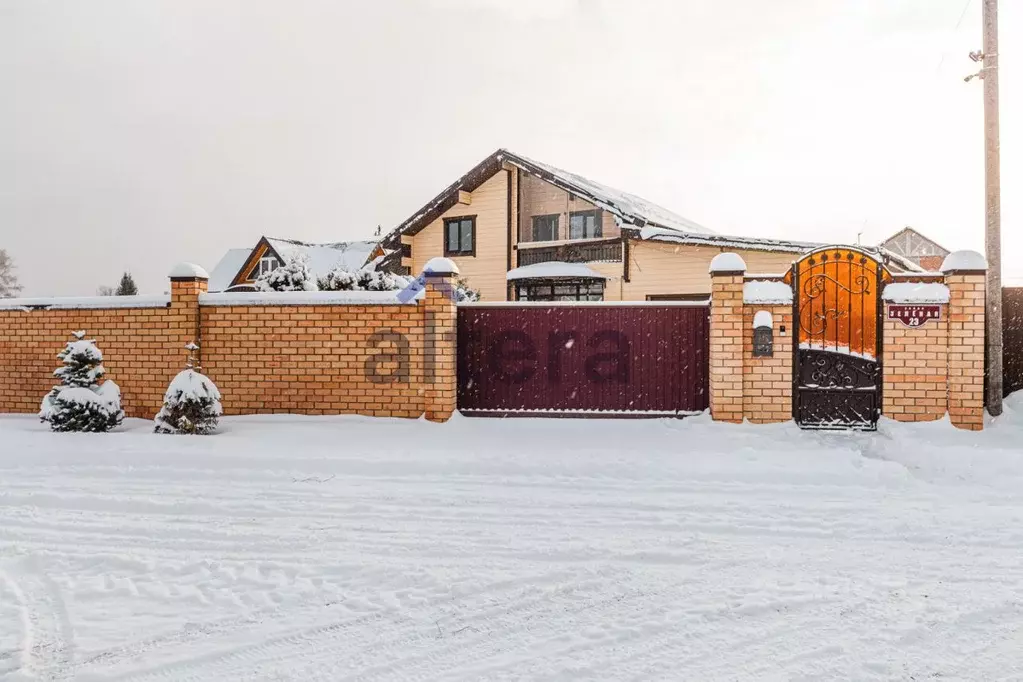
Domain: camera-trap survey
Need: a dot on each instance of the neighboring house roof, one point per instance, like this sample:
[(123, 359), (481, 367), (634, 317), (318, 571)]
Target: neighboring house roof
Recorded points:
[(235, 265), (912, 244), (629, 209), (324, 257), (227, 268)]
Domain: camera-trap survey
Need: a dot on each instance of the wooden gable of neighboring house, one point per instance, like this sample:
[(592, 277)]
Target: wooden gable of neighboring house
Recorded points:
[(238, 269), (250, 270), (910, 244)]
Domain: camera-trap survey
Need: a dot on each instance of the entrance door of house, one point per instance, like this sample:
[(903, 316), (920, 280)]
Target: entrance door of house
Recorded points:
[(837, 368)]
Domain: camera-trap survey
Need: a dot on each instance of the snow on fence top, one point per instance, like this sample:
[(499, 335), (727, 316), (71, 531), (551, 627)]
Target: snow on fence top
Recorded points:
[(763, 319), (916, 292), (439, 265), (767, 293), (727, 262), (85, 302), (304, 298), (963, 260)]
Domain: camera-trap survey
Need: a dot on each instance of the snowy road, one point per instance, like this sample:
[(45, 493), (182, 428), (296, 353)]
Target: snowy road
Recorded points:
[(307, 549)]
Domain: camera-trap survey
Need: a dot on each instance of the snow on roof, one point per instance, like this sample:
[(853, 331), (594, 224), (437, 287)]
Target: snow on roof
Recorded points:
[(963, 260), (727, 241), (916, 292), (226, 269), (553, 269), (627, 206), (767, 293), (188, 270), (325, 257), (727, 262), (763, 319)]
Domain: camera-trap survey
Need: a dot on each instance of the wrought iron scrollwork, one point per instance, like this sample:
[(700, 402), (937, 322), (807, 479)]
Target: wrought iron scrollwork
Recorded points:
[(835, 370), (815, 285), (809, 320)]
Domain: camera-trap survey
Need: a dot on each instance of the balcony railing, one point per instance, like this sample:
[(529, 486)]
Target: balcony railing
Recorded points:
[(599, 252)]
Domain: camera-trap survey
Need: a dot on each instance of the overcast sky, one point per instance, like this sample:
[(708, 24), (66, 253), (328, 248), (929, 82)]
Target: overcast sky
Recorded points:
[(136, 134)]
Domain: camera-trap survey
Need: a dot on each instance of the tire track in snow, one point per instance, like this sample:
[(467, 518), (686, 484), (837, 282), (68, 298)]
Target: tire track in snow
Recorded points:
[(47, 649)]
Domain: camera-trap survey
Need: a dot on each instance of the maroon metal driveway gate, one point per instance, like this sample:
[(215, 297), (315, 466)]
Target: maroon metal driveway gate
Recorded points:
[(630, 360)]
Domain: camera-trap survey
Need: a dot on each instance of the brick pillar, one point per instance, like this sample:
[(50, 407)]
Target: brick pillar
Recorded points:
[(440, 340), (726, 337), (965, 275), (187, 281)]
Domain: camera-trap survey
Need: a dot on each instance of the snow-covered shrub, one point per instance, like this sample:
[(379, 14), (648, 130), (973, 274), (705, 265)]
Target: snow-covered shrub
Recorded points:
[(191, 403), (294, 275), (464, 293), (340, 279), (79, 402)]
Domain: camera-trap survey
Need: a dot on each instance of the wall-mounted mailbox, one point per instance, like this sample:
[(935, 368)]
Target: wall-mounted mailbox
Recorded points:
[(763, 334)]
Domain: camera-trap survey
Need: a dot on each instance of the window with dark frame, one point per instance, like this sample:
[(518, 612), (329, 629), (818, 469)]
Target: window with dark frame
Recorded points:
[(585, 224), (460, 236), (560, 290), (545, 228)]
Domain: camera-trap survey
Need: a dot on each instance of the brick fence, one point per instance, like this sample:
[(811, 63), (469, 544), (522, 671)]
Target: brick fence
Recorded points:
[(316, 353)]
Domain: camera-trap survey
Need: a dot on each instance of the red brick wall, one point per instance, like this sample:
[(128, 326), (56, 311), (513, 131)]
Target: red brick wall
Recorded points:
[(767, 381), (142, 351), (915, 369), (313, 359), (303, 359)]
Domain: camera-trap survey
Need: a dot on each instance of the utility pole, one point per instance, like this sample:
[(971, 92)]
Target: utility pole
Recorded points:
[(992, 193), (993, 209)]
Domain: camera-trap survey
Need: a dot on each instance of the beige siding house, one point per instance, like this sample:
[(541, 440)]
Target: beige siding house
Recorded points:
[(519, 229)]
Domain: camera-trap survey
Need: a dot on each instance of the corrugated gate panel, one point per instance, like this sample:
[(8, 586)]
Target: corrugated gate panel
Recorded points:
[(566, 359)]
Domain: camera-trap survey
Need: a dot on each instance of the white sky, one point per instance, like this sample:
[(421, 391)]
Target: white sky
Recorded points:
[(134, 135)]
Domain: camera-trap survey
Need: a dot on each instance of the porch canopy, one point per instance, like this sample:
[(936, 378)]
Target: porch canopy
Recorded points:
[(557, 281)]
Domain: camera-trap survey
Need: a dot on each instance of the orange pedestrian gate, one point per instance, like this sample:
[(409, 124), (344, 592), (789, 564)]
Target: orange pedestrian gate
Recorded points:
[(837, 360)]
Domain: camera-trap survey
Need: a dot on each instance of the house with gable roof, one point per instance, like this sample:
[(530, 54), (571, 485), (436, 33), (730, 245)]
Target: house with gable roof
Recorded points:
[(238, 269), (519, 229), (922, 250)]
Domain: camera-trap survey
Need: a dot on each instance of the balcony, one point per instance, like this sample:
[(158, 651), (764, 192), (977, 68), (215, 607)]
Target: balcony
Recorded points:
[(605, 251)]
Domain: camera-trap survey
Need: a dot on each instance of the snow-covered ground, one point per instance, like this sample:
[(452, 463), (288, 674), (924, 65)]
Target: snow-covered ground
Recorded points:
[(291, 548)]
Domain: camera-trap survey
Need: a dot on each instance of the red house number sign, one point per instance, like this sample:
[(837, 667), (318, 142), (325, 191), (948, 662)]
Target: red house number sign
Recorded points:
[(913, 315)]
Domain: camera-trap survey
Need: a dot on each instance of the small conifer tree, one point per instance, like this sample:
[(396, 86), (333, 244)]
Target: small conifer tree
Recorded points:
[(191, 403), (80, 402), (127, 286)]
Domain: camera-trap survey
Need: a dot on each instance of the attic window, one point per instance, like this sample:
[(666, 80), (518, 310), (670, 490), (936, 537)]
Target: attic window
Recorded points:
[(266, 264)]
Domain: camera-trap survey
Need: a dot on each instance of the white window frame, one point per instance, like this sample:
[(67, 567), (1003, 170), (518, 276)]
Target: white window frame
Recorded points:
[(266, 264)]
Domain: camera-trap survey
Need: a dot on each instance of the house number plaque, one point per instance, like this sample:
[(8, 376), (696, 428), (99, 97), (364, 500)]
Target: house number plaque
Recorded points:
[(913, 315)]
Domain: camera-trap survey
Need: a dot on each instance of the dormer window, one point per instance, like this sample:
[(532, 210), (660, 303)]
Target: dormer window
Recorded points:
[(266, 264)]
